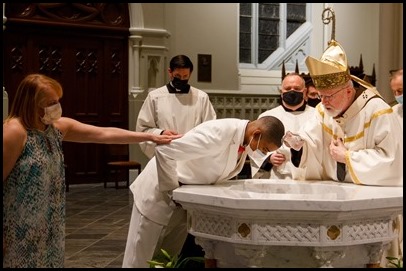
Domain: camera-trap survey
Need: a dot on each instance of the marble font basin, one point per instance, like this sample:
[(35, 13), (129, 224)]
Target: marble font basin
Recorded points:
[(288, 223)]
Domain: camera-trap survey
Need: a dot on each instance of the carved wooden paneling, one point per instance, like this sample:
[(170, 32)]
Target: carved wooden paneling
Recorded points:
[(85, 15), (85, 47)]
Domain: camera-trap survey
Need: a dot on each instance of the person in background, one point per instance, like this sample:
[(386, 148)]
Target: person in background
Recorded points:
[(211, 153), (396, 85), (354, 134), (174, 109), (293, 112), (34, 173), (312, 97)]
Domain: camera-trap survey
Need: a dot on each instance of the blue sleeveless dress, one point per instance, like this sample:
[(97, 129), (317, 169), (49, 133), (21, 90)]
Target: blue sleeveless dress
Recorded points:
[(34, 204)]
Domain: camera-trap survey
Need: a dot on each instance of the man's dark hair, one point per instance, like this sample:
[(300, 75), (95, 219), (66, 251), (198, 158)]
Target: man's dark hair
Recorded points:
[(274, 130), (180, 62)]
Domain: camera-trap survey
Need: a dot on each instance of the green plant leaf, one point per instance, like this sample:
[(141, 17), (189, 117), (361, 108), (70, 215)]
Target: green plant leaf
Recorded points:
[(186, 260), (166, 254), (164, 260), (155, 263), (395, 262)]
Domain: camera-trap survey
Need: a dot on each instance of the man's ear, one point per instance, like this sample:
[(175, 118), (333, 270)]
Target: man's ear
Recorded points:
[(256, 132)]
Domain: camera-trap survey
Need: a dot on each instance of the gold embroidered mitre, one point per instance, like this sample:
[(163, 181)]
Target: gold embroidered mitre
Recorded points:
[(331, 70)]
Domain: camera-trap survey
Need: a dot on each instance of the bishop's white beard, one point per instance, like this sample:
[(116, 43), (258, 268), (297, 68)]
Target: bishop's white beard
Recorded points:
[(331, 112)]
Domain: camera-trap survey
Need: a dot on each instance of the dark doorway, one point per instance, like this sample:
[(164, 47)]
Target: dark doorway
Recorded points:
[(85, 47)]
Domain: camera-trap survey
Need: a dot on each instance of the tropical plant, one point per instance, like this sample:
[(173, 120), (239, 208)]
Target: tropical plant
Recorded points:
[(164, 260), (395, 262)]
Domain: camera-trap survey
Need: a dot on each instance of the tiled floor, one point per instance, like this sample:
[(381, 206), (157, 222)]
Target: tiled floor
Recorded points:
[(97, 221)]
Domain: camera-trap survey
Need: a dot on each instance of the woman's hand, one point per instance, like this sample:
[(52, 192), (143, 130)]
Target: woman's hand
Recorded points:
[(169, 132), (165, 139)]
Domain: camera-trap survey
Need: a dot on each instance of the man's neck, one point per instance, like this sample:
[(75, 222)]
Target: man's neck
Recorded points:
[(300, 107)]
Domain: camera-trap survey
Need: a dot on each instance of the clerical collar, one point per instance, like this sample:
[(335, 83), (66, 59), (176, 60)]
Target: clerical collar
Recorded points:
[(302, 108), (173, 90)]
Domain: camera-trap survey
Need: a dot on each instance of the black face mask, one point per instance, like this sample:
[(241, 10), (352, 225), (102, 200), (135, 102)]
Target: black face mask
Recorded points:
[(313, 102), (180, 84), (292, 97)]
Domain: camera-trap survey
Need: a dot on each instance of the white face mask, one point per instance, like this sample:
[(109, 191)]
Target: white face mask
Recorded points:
[(399, 99), (52, 113), (257, 154)]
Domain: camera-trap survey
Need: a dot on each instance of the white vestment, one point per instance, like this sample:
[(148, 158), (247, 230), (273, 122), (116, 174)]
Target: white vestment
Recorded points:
[(292, 120), (396, 246), (370, 132), (162, 110), (374, 141), (207, 154), (398, 110)]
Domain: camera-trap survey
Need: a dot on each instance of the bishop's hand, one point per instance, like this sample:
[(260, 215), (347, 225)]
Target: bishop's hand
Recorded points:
[(293, 141)]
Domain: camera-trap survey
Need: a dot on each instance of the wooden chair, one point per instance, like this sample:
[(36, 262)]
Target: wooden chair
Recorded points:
[(118, 165)]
